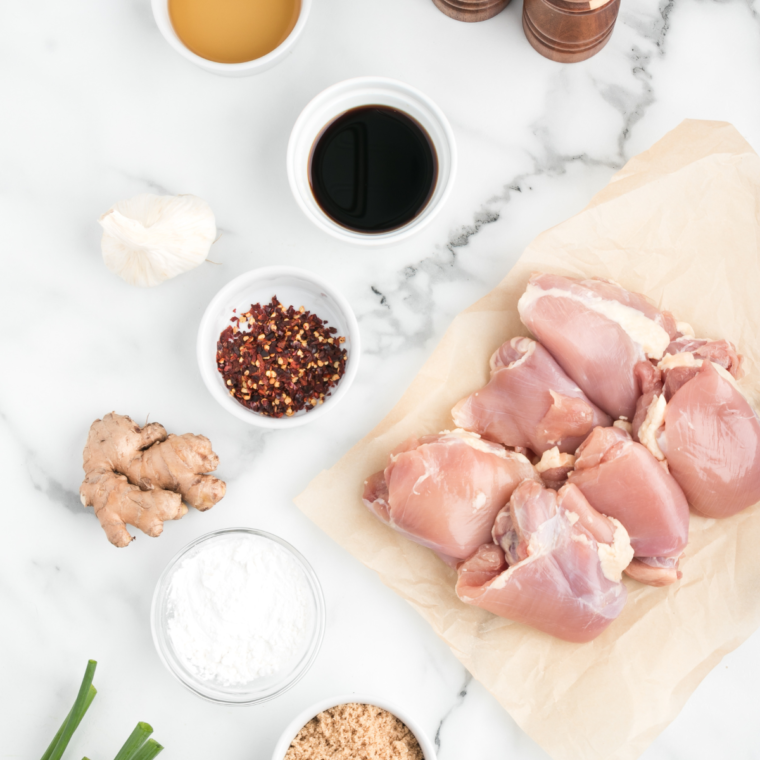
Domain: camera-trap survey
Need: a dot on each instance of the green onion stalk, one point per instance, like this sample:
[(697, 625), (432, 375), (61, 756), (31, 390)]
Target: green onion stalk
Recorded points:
[(139, 745), (148, 750), (82, 703), (134, 743)]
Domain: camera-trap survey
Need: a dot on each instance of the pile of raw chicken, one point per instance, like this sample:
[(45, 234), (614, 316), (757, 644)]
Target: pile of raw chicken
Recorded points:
[(578, 460)]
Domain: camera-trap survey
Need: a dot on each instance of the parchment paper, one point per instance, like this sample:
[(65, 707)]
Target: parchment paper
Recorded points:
[(681, 223)]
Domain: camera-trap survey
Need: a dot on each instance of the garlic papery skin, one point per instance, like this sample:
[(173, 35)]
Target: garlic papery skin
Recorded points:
[(151, 238)]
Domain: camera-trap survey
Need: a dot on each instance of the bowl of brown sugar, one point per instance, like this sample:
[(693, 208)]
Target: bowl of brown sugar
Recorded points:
[(353, 727)]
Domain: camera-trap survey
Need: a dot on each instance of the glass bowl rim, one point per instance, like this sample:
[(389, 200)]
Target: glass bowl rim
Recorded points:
[(158, 628)]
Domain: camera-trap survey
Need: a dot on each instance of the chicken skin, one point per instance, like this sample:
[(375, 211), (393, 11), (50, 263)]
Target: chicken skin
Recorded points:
[(622, 479), (597, 331), (529, 402), (444, 491), (701, 424), (554, 564)]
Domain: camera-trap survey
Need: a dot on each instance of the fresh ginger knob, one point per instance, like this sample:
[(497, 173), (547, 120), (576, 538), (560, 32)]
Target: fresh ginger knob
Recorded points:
[(141, 476)]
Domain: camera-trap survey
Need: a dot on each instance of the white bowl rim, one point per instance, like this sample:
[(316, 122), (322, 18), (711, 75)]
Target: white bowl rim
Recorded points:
[(322, 220), (248, 415), (216, 67), (295, 725), (319, 612)]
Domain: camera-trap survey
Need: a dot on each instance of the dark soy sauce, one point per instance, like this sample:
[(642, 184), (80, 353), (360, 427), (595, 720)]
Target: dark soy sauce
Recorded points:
[(373, 169)]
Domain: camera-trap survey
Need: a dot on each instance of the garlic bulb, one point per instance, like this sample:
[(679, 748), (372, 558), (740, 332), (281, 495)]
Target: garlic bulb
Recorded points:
[(151, 238)]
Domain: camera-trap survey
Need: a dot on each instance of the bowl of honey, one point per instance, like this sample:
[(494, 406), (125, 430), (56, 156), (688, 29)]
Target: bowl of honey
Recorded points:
[(230, 37), (371, 160)]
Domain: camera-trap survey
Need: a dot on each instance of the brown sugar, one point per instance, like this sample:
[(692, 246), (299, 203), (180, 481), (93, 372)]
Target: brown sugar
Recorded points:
[(354, 732)]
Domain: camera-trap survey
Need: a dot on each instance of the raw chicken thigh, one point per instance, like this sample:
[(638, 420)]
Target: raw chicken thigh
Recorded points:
[(682, 360), (546, 545), (529, 402), (721, 352), (709, 434), (443, 491), (555, 565), (597, 331), (622, 479)]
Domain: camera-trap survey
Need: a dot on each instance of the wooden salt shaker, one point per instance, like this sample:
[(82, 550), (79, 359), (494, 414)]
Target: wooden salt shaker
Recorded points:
[(569, 30), (471, 10)]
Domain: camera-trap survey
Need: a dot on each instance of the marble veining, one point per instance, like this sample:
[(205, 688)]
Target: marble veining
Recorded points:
[(98, 108), (460, 697)]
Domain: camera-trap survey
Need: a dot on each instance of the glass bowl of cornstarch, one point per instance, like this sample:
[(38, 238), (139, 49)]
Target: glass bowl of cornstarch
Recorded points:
[(238, 616)]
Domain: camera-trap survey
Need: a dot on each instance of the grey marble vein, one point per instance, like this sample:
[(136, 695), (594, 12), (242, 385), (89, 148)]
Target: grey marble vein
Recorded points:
[(461, 237), (415, 294), (458, 702), (151, 185), (44, 483), (41, 480), (408, 309)]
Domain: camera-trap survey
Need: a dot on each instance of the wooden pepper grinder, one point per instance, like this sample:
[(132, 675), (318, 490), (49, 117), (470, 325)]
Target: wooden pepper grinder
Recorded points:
[(569, 30), (471, 10)]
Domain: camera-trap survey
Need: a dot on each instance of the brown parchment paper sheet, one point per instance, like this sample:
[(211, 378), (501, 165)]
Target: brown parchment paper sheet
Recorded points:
[(681, 223)]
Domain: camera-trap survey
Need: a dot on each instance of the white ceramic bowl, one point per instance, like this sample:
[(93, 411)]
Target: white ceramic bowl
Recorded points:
[(352, 93), (290, 733), (292, 286), (263, 689), (163, 21)]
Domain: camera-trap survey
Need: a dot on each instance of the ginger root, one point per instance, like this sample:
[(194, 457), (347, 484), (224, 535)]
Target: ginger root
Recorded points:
[(140, 476)]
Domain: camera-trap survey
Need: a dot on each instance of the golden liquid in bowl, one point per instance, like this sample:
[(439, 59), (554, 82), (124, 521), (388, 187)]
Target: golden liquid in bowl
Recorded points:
[(233, 31)]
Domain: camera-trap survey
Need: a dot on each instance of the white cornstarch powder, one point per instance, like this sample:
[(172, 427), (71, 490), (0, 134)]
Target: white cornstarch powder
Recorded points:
[(239, 609)]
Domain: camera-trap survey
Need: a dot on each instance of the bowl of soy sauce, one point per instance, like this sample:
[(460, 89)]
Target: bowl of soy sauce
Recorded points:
[(371, 160)]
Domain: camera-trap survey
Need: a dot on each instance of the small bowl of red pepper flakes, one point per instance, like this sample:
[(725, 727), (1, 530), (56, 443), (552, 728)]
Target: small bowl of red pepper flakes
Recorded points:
[(278, 347)]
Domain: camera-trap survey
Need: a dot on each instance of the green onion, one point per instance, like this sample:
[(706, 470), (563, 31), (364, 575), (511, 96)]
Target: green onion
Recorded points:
[(148, 750), (137, 747), (136, 739), (84, 699), (90, 696)]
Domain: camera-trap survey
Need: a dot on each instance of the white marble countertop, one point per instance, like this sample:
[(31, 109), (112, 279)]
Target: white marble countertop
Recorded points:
[(96, 107)]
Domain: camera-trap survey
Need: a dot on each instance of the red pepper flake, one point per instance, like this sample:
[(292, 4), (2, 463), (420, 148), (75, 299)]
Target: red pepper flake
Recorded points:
[(278, 360)]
